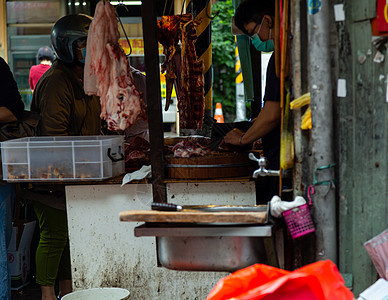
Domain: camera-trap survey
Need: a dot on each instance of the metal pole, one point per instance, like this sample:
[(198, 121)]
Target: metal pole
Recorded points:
[(300, 86), (240, 101), (296, 58), (322, 129)]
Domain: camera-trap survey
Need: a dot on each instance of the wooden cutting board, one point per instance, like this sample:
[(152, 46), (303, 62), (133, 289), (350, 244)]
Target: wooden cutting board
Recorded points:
[(193, 217), (215, 165)]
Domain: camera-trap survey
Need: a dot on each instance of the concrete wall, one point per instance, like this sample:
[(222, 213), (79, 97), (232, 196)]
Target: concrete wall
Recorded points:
[(105, 253)]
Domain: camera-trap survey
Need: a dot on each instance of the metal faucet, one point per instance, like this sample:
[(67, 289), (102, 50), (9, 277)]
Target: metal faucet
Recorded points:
[(262, 171)]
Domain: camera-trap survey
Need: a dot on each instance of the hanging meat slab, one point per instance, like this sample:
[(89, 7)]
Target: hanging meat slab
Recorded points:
[(177, 34), (121, 102)]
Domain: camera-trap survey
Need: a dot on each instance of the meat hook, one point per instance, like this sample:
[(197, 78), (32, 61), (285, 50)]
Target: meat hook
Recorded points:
[(122, 27)]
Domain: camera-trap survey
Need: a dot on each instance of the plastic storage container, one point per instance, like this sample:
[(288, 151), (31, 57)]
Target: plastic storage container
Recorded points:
[(62, 158)]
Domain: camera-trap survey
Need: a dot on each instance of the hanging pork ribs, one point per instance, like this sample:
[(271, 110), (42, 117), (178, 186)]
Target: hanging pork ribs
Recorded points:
[(177, 34)]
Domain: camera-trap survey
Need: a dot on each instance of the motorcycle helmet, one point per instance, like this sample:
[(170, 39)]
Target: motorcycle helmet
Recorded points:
[(45, 53), (66, 31)]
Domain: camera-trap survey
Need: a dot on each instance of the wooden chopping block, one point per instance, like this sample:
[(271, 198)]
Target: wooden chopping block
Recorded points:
[(193, 217), (222, 165)]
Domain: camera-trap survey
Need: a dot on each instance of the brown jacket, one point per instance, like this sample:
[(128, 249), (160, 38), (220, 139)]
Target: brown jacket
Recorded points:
[(65, 109), (63, 105)]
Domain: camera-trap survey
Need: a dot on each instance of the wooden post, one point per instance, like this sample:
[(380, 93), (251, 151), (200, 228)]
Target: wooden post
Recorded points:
[(154, 101), (3, 30)]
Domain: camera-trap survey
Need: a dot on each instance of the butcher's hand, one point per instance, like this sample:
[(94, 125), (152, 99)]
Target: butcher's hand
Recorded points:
[(234, 137)]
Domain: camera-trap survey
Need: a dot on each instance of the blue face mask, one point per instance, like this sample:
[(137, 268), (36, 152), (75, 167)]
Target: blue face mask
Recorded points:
[(83, 50), (267, 46)]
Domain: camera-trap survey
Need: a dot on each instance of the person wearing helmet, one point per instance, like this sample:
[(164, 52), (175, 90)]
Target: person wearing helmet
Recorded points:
[(46, 57), (65, 110)]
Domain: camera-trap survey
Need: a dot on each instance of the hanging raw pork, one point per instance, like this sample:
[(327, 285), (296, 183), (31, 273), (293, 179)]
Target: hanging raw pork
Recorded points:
[(177, 35), (107, 72)]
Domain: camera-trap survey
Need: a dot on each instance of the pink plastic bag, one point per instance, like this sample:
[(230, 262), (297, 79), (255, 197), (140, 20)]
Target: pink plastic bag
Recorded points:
[(318, 281), (377, 248)]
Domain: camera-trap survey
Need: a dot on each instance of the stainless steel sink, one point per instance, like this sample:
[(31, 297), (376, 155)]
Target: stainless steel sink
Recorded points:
[(208, 248)]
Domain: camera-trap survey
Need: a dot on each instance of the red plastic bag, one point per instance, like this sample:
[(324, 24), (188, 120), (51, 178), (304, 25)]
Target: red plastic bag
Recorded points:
[(318, 281)]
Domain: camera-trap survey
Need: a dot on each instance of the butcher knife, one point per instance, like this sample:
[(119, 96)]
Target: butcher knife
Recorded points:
[(208, 208)]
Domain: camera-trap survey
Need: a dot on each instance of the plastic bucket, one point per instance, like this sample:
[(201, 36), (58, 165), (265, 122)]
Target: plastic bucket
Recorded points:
[(98, 294)]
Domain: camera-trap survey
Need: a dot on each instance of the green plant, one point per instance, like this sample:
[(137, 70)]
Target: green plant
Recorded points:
[(223, 58)]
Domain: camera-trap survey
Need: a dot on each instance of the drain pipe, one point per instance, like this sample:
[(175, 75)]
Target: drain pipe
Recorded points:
[(324, 211)]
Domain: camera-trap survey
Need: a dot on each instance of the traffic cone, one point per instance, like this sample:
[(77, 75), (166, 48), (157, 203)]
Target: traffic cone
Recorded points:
[(218, 113)]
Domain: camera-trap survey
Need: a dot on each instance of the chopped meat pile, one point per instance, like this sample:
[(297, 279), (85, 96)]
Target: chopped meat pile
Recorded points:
[(189, 82), (121, 102), (136, 155), (137, 152), (189, 148)]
